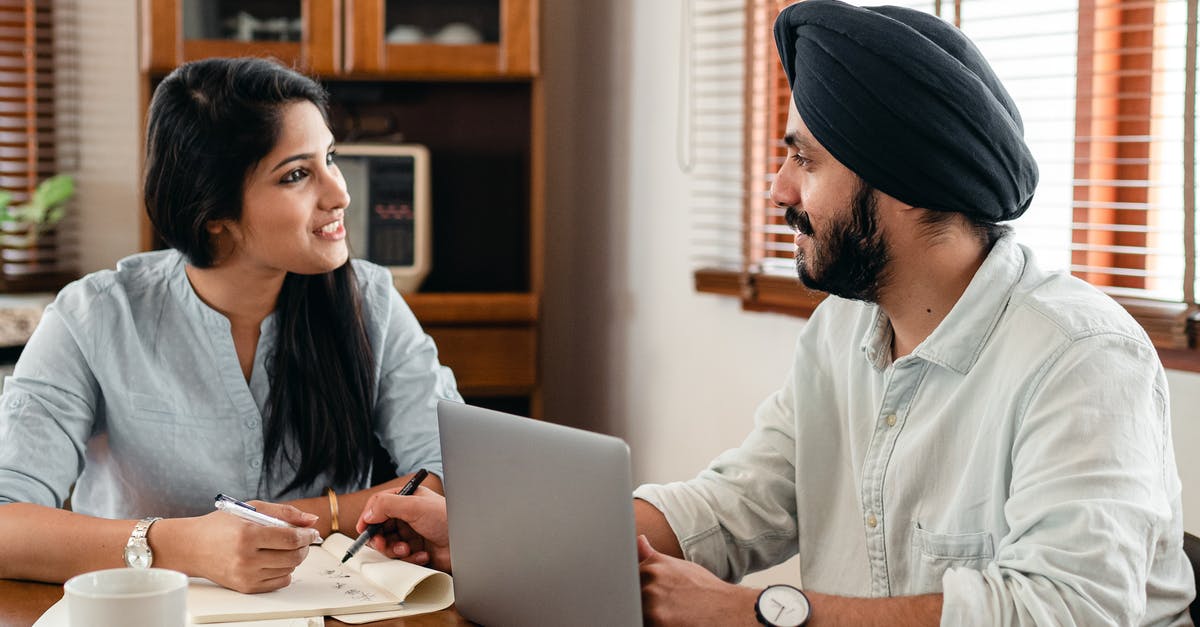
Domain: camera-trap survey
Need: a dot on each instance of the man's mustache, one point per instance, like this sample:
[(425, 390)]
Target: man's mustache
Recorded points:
[(798, 220)]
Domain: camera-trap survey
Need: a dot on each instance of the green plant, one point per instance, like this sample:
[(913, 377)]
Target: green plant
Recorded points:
[(46, 205)]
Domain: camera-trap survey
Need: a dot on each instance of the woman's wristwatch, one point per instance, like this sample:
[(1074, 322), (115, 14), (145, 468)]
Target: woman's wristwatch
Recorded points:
[(137, 550), (781, 605)]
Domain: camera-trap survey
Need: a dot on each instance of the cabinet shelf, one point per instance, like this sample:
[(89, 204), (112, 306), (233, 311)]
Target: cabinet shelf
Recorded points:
[(477, 60), (488, 340), (205, 48), (474, 308)]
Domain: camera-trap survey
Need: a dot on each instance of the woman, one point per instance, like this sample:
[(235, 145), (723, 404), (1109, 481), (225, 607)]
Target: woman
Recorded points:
[(253, 358)]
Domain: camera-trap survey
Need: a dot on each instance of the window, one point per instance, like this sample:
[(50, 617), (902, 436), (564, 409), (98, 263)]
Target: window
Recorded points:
[(38, 130), (1107, 92), (26, 95)]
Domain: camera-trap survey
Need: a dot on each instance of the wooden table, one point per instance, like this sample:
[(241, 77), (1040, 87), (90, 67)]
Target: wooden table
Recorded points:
[(22, 602)]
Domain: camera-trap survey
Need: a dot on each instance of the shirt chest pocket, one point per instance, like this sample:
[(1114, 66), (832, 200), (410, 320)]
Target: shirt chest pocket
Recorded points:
[(161, 435), (156, 409), (935, 553)]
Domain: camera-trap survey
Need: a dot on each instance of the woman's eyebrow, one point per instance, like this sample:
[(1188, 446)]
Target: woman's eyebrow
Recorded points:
[(287, 160)]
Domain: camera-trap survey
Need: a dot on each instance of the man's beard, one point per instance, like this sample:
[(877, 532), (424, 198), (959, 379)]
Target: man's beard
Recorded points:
[(853, 254)]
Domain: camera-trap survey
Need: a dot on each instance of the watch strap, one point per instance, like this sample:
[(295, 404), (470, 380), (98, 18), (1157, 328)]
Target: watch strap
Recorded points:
[(143, 527)]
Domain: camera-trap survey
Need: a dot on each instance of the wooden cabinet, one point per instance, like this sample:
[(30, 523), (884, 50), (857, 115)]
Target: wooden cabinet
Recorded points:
[(460, 77), (431, 38)]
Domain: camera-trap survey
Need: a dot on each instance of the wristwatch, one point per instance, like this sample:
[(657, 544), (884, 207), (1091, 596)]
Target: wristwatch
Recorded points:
[(781, 605), (137, 550)]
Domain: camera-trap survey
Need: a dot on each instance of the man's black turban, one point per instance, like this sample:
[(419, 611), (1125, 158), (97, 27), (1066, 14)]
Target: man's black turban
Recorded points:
[(909, 104)]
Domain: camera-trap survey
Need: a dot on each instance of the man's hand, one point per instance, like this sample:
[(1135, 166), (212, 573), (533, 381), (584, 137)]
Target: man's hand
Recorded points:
[(414, 527), (679, 592)]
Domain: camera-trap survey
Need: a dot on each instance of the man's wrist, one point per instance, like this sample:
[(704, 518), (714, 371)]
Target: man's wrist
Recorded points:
[(747, 614)]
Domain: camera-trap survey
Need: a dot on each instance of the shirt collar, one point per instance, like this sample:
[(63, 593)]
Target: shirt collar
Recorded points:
[(186, 295), (957, 342)]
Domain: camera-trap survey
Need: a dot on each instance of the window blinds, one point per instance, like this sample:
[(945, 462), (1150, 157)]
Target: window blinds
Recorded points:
[(1101, 85), (712, 95), (27, 96)]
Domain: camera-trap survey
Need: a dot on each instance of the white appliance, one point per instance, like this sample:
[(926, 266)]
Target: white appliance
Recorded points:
[(388, 221)]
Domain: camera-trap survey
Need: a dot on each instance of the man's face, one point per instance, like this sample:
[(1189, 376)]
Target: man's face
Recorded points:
[(840, 248)]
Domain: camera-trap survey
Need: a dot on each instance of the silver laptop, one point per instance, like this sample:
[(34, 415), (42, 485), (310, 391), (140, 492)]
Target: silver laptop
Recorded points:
[(541, 521)]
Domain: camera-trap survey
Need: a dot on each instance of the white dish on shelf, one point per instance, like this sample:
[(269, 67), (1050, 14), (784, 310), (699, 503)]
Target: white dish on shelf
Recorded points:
[(458, 34), (405, 34)]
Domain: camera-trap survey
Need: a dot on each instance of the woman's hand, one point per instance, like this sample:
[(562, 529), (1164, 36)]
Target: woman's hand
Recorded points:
[(414, 527), (237, 553)]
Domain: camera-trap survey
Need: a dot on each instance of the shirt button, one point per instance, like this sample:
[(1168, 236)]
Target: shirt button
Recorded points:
[(891, 420), (250, 424), (254, 463), (871, 521)]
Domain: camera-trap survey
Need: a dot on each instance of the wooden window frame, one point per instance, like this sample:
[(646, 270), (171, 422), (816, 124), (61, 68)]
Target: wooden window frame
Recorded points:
[(1102, 116)]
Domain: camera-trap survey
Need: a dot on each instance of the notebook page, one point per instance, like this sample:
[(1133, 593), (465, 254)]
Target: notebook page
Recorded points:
[(423, 589), (321, 585)]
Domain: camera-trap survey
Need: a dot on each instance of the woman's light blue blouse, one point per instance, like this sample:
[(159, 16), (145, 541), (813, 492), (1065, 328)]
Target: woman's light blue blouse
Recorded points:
[(131, 390)]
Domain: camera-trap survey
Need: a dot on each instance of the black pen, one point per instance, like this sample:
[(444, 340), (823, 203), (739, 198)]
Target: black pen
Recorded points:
[(374, 528)]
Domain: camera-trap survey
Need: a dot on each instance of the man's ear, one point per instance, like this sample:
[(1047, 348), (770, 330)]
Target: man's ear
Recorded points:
[(216, 227)]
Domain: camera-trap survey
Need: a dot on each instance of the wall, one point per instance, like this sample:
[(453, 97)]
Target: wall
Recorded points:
[(630, 348), (110, 132), (1185, 422)]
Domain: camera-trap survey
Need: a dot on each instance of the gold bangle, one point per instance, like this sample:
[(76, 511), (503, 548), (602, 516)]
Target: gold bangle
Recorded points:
[(333, 510)]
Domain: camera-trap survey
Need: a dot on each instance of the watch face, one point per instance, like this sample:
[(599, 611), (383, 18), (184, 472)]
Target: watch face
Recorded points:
[(137, 554), (783, 606)]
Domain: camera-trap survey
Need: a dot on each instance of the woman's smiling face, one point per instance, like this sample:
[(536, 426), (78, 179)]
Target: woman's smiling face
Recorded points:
[(293, 203)]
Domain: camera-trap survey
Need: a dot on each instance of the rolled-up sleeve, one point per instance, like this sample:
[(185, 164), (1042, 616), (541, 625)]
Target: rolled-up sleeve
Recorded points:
[(411, 382), (739, 514), (47, 415), (1092, 488)]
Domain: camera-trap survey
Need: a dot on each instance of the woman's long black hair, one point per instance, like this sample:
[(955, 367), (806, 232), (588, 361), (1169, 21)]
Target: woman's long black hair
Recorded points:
[(210, 123)]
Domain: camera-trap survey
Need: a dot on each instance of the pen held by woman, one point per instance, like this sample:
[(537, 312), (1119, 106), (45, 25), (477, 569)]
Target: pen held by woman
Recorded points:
[(371, 530), (248, 512)]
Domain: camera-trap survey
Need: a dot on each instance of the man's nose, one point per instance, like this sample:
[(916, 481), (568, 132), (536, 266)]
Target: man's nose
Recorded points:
[(784, 191)]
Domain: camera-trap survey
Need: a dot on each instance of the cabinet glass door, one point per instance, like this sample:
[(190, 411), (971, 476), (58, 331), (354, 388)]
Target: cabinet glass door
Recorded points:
[(442, 22), (241, 21), (442, 37), (305, 33)]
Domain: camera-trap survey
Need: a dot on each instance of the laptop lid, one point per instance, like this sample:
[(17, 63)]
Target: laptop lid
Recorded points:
[(541, 521)]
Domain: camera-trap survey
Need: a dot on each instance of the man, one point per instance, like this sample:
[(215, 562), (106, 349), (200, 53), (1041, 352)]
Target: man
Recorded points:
[(963, 438), (973, 439)]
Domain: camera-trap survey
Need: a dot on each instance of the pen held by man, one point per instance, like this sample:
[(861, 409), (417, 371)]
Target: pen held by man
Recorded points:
[(414, 527), (375, 528)]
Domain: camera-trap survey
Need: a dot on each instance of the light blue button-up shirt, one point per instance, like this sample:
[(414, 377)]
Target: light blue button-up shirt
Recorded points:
[(1019, 461), (131, 389)]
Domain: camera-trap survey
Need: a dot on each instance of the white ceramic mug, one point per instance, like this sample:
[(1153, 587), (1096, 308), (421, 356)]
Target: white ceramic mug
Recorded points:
[(127, 597)]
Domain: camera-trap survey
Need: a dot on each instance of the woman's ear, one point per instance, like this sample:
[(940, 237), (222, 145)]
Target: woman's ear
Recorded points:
[(216, 227), (223, 236)]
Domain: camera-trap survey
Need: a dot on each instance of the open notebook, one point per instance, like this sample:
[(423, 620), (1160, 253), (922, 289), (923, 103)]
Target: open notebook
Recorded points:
[(321, 585)]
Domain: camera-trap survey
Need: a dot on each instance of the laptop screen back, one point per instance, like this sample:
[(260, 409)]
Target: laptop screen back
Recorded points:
[(541, 521)]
